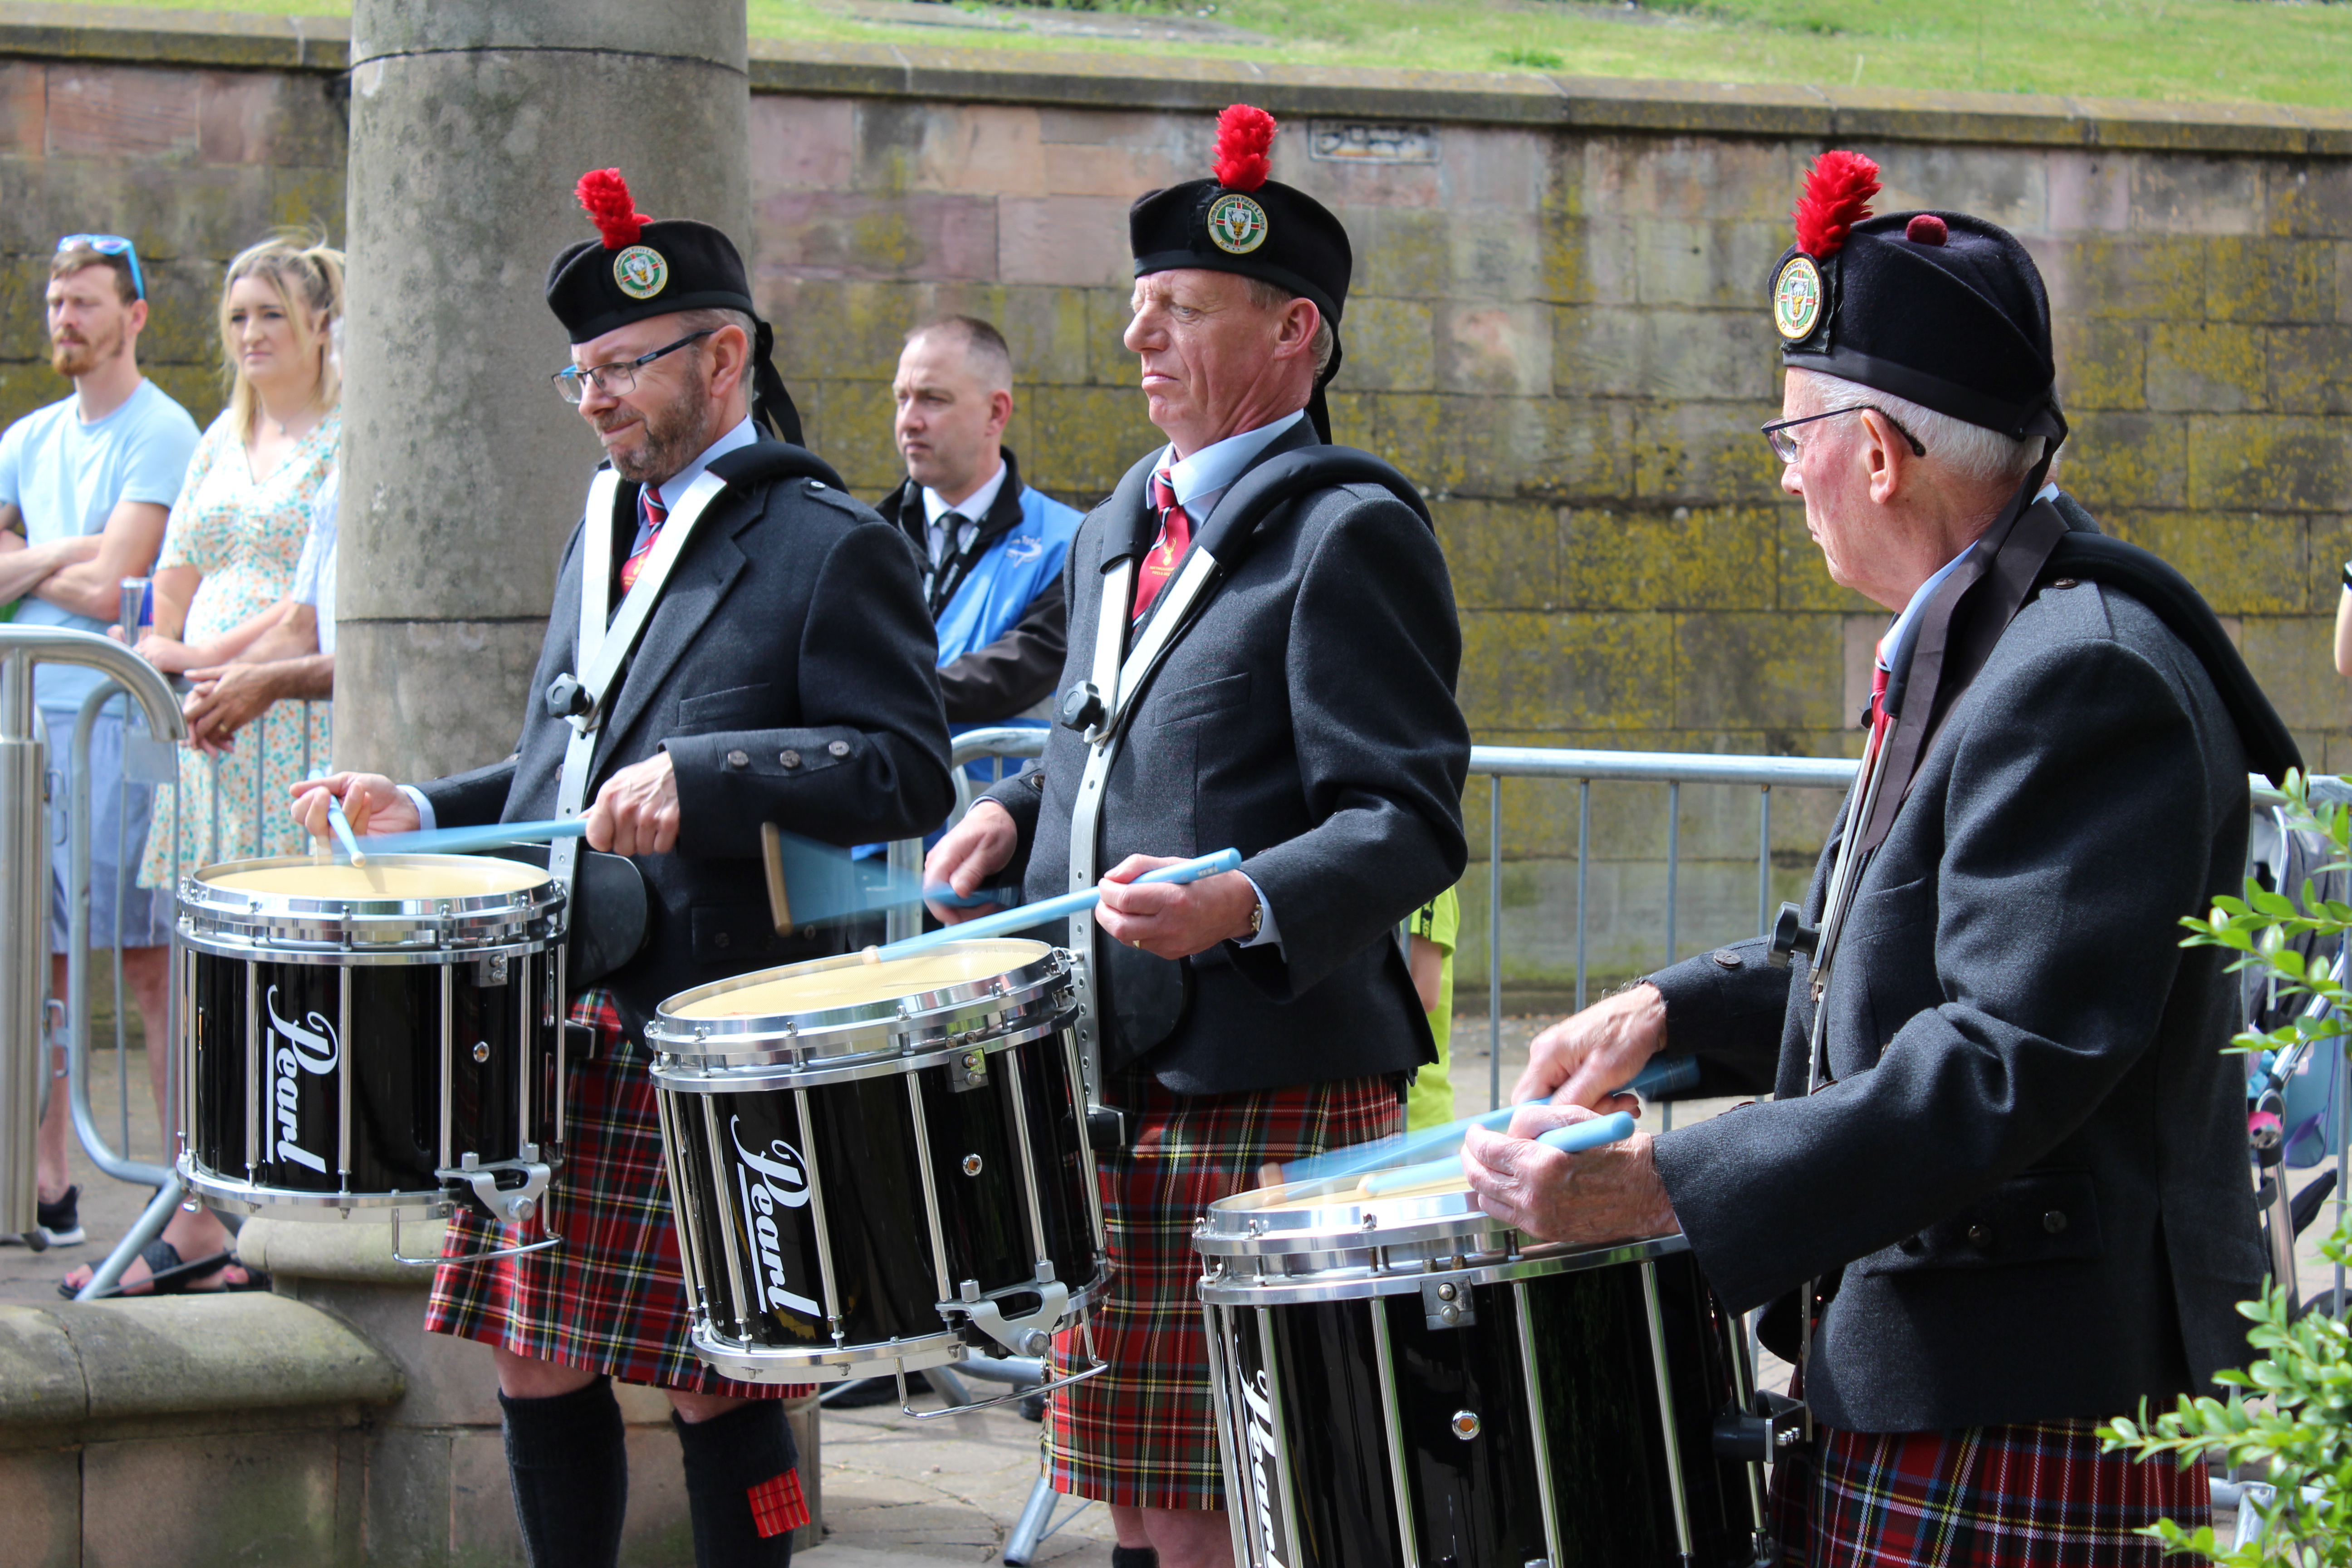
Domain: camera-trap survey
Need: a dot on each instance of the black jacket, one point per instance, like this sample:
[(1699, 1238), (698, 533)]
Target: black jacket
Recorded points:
[(1308, 719), (792, 626), (2028, 1183), (1014, 672)]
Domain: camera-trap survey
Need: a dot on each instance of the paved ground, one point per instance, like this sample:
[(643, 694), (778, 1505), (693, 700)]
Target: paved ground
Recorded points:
[(898, 1493)]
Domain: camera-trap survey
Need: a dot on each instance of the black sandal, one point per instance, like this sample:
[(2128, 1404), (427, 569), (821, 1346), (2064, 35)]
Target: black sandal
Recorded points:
[(169, 1275)]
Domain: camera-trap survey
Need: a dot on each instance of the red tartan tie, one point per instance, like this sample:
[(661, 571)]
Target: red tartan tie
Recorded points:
[(1878, 697), (656, 515), (1160, 561)]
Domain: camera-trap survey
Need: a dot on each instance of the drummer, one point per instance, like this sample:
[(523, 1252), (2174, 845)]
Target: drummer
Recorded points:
[(1307, 717), (792, 684), (2021, 1182)]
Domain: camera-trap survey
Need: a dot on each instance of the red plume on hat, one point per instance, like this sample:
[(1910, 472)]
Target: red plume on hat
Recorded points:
[(606, 197), (1244, 134), (1837, 196)]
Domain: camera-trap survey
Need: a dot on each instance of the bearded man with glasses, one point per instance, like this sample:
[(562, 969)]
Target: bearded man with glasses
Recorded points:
[(782, 673)]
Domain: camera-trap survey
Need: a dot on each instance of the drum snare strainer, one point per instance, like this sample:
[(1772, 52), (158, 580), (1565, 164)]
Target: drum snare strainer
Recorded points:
[(1404, 1382), (880, 1166)]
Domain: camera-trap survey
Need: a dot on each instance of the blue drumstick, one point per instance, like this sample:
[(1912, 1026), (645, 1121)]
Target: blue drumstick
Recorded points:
[(343, 827), (1574, 1139), (1661, 1076), (1028, 915), (456, 840)]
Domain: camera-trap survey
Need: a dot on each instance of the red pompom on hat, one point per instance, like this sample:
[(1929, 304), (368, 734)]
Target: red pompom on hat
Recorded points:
[(605, 195), (1925, 228), (1837, 196), (1245, 132)]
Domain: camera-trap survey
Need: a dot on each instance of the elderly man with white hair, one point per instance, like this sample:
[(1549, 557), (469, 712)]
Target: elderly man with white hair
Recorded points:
[(1999, 1191)]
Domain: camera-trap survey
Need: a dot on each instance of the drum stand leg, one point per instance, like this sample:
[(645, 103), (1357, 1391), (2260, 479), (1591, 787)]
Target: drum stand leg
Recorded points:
[(1036, 1523), (151, 1221)]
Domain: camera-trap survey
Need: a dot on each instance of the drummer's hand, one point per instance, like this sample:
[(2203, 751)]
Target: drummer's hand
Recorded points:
[(1173, 919), (637, 811), (1607, 1193), (1581, 1060), (967, 856), (372, 802)]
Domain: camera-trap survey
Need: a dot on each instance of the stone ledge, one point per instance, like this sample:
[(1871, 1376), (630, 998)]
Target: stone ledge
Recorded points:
[(358, 1252), (948, 74), (111, 1361)]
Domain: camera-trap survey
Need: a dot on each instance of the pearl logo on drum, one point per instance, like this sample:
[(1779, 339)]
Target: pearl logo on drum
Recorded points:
[(315, 1050), (1264, 1460), (782, 1182)]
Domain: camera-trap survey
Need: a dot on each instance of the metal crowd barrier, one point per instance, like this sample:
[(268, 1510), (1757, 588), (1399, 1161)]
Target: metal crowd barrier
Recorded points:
[(24, 969)]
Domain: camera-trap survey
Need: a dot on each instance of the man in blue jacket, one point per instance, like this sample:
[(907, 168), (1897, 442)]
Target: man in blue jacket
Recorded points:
[(991, 547)]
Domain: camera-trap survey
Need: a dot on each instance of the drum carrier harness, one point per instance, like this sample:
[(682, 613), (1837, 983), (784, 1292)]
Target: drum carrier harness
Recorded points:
[(1100, 709)]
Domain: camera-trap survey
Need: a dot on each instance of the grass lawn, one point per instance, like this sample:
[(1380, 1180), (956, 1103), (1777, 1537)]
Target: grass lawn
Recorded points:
[(2280, 51)]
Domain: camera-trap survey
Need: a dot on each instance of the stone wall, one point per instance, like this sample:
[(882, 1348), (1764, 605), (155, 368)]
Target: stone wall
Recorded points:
[(1555, 327)]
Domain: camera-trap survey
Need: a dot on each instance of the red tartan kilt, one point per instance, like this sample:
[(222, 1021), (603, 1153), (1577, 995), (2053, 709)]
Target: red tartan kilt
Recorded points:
[(2023, 1496), (1143, 1435), (611, 1298)]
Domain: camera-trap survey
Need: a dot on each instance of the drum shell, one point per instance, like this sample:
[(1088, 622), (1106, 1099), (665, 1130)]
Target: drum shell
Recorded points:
[(1318, 1453), (862, 1199), (337, 1053)]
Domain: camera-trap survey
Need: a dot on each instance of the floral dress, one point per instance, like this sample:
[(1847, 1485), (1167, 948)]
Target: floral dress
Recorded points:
[(246, 536)]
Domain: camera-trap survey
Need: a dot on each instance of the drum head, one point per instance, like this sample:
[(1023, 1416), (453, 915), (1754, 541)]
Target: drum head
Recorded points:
[(394, 877), (818, 991)]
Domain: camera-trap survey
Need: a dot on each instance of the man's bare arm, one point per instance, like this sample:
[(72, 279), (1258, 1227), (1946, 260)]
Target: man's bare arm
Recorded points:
[(23, 566), (126, 548)]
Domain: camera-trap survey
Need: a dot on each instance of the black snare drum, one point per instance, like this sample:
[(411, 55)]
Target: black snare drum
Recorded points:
[(381, 1040), (1399, 1384), (879, 1167)]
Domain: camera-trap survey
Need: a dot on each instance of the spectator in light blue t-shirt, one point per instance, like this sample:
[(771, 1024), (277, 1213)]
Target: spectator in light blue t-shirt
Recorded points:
[(86, 485)]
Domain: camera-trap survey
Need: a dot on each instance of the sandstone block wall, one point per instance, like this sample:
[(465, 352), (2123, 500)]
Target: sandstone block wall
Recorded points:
[(1555, 327)]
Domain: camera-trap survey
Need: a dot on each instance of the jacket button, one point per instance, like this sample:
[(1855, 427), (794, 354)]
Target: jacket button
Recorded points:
[(789, 758), (2055, 1221), (1980, 1234), (1725, 957), (807, 931), (738, 759), (839, 748), (722, 940)]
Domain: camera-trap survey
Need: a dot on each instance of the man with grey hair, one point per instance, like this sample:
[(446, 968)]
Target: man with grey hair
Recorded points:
[(2000, 1191)]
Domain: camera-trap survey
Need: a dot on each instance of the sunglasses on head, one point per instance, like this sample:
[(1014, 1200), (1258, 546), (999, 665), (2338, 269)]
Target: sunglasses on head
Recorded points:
[(109, 244)]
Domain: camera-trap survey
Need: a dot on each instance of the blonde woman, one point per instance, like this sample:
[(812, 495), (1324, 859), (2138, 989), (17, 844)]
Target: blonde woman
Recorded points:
[(223, 579), (236, 533)]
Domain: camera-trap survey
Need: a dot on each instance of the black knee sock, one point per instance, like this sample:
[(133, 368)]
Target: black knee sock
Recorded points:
[(1134, 1557), (569, 1464), (726, 1457)]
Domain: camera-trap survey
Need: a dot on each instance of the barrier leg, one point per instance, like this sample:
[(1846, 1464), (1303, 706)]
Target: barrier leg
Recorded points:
[(151, 1221)]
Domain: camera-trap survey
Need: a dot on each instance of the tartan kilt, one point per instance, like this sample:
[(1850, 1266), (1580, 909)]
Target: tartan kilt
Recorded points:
[(1982, 1497), (612, 1299), (1143, 1434)]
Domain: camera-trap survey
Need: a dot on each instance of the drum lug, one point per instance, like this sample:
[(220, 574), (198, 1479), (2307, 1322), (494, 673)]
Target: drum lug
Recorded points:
[(1447, 1305), (491, 970), (968, 1072), (1777, 1423), (511, 1205)]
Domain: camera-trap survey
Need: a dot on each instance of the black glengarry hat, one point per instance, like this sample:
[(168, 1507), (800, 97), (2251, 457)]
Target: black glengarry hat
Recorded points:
[(1943, 308), (1241, 221), (640, 267)]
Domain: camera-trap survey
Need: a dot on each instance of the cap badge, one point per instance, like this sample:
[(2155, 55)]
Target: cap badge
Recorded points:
[(640, 271), (1797, 298), (1237, 225)]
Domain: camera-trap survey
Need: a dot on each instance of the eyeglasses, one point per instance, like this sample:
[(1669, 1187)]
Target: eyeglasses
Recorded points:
[(1784, 446), (620, 377), (109, 244)]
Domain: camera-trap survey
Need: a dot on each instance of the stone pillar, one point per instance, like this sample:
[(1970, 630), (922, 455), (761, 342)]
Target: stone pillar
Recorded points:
[(463, 472)]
